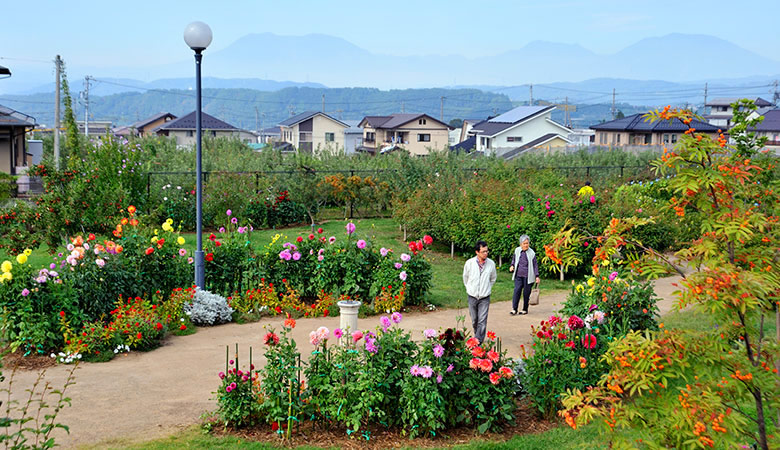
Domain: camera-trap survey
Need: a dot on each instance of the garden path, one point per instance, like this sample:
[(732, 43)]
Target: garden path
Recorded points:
[(141, 396)]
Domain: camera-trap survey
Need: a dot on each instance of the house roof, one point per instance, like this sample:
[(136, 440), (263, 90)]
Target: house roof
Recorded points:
[(637, 123), (535, 143), (727, 101), (467, 145), (208, 122), (142, 123), (14, 118), (396, 120), (771, 122), (509, 119), (298, 118), (271, 130)]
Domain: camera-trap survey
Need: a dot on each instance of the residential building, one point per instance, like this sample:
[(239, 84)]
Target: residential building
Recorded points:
[(416, 133), (313, 131), (353, 137), (183, 129), (144, 127), (468, 124), (770, 128), (97, 128), (635, 130), (582, 137), (721, 110), (14, 158), (518, 127), (270, 135)]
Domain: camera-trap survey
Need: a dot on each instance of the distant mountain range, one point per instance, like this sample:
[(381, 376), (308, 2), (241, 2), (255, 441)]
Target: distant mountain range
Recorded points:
[(316, 58)]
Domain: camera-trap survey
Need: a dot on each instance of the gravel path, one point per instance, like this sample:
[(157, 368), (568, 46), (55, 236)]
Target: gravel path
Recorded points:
[(141, 396)]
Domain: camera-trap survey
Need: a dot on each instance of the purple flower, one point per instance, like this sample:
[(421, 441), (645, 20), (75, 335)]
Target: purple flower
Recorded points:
[(439, 378), (398, 265), (371, 346), (396, 317), (430, 333), (385, 321), (350, 228), (612, 276), (241, 230), (25, 292), (285, 255), (296, 256), (450, 368), (592, 307), (331, 240), (234, 220), (383, 251), (361, 244), (228, 212), (405, 257), (402, 275), (337, 333), (221, 229), (52, 266), (438, 350)]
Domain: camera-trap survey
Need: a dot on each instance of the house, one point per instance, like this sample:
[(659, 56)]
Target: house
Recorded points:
[(518, 127), (636, 130), (721, 111), (582, 137), (416, 133), (97, 128), (353, 137), (270, 135), (312, 131), (769, 128), (14, 158), (183, 129), (468, 124), (144, 127)]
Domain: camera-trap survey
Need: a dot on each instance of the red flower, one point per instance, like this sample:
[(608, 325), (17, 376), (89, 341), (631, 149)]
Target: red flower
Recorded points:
[(491, 335), (212, 236), (278, 310), (299, 239), (158, 326), (149, 251), (495, 378), (91, 237), (570, 344), (575, 323), (472, 342), (183, 327), (271, 339), (427, 240), (289, 322), (506, 372), (589, 341), (311, 237), (319, 230), (493, 356), (540, 335), (561, 336), (478, 352), (139, 336), (217, 243), (62, 313), (485, 365), (275, 426), (209, 257)]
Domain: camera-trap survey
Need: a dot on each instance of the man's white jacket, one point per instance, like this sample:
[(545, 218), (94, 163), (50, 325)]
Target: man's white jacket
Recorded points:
[(479, 285)]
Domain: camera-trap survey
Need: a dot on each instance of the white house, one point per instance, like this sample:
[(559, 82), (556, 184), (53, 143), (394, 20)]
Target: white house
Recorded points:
[(519, 129), (312, 131), (721, 111)]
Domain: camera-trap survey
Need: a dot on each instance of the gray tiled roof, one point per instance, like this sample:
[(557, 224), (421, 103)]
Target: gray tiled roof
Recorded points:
[(396, 120), (771, 121), (520, 113), (298, 118), (727, 101), (148, 120), (637, 123), (467, 145), (11, 117), (490, 129), (208, 122)]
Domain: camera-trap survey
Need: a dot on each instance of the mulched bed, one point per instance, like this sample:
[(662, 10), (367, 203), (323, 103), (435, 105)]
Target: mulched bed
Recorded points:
[(526, 423), (17, 360)]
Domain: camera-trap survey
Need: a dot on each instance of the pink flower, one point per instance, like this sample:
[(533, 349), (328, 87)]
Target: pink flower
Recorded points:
[(338, 333), (495, 378), (331, 239), (320, 258), (522, 208), (593, 199), (396, 317), (589, 341), (398, 266), (485, 365), (357, 335), (474, 363), (575, 323), (385, 321), (234, 220), (426, 372), (427, 240), (493, 356), (221, 375), (472, 342), (221, 229), (100, 262), (350, 228), (402, 275), (430, 333), (182, 252), (585, 244), (508, 226), (228, 212), (414, 370), (296, 256), (361, 244), (506, 372), (383, 251), (314, 339), (612, 276), (371, 345), (438, 351), (25, 292), (450, 368), (405, 257), (439, 378)]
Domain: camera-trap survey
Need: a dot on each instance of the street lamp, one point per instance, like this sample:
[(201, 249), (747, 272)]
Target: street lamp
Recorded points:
[(198, 36)]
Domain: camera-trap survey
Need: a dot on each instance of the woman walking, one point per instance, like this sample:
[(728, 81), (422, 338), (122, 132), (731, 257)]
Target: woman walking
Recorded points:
[(525, 271)]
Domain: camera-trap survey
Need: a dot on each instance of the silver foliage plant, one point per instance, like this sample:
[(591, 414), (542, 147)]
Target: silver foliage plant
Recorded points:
[(208, 309)]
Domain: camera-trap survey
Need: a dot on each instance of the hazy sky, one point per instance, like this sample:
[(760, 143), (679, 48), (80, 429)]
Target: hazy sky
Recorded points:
[(111, 33)]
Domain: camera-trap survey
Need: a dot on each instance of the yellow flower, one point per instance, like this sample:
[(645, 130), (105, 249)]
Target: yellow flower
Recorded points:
[(21, 258), (167, 227), (580, 288), (27, 252), (155, 232), (605, 262), (6, 277), (155, 239), (591, 282), (180, 240), (169, 221), (6, 266)]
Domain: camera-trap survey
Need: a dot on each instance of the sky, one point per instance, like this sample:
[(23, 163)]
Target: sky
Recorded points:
[(112, 33)]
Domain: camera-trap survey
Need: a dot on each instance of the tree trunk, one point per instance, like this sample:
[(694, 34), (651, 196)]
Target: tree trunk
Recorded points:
[(561, 267), (404, 233), (500, 260), (452, 255)]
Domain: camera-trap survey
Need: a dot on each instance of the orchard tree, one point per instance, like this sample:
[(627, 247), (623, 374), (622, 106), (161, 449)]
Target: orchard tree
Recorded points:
[(691, 389)]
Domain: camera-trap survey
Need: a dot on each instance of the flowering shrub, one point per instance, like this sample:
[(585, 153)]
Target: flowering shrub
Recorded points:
[(238, 402), (208, 309), (280, 379), (388, 301), (227, 255), (410, 273)]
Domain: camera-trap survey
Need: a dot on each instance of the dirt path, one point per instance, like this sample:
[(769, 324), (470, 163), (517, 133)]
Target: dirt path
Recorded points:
[(141, 396)]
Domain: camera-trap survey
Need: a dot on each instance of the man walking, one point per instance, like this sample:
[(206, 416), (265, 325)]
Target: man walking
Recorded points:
[(479, 275)]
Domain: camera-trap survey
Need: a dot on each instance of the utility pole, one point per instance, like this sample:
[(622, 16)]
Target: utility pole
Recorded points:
[(441, 112), (86, 106), (58, 69), (323, 103), (568, 124), (257, 121), (614, 112), (402, 107), (776, 95), (705, 96), (531, 95)]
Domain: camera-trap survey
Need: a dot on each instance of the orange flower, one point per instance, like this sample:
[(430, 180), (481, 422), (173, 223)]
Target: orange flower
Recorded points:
[(289, 322), (131, 209), (124, 221)]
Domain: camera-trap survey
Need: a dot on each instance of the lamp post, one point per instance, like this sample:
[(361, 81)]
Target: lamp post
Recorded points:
[(198, 36)]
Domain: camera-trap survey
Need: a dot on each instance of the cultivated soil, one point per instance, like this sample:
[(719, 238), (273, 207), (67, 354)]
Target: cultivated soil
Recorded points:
[(143, 396)]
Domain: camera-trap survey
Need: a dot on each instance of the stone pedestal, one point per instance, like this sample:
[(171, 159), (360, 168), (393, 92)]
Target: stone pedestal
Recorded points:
[(348, 311)]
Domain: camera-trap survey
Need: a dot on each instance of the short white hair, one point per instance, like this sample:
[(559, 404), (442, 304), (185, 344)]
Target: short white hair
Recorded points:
[(524, 238)]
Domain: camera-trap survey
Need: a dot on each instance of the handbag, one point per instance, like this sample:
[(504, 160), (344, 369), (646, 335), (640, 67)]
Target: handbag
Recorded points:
[(534, 299)]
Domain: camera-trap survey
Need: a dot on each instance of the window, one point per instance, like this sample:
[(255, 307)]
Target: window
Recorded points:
[(674, 138), (189, 133), (370, 137), (618, 137), (602, 138), (213, 133), (666, 138), (421, 122), (514, 139), (330, 137), (423, 138)]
